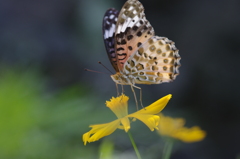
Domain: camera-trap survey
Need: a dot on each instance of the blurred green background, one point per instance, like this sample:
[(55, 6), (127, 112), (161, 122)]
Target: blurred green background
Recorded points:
[(47, 100)]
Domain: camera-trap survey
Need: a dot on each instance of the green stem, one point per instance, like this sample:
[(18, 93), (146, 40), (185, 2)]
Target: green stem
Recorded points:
[(134, 145), (167, 149)]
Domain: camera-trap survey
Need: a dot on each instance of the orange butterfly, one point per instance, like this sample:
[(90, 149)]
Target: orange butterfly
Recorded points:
[(136, 54)]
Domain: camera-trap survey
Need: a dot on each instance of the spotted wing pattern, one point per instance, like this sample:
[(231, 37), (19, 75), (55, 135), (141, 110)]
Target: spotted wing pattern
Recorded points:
[(132, 29), (138, 56), (156, 61), (109, 27)]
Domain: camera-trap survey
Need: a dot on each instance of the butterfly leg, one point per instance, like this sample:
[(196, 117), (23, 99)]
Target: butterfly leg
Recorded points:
[(122, 89), (118, 94), (117, 90), (140, 89), (134, 95)]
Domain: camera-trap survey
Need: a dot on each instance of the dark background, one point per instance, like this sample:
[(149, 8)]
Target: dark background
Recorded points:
[(62, 37)]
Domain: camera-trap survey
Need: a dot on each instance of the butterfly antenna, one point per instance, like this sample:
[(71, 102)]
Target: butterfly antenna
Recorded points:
[(105, 67), (94, 71)]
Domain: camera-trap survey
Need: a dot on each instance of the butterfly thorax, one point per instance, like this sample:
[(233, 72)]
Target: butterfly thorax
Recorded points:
[(123, 79)]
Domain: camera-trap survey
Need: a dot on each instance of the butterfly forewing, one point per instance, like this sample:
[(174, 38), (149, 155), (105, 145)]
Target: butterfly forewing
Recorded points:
[(136, 54), (132, 29), (156, 61), (109, 27)]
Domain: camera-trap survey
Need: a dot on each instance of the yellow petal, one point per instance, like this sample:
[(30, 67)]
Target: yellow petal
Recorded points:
[(126, 123), (151, 121), (157, 106), (146, 115), (119, 105), (99, 131), (169, 126), (174, 127), (189, 135)]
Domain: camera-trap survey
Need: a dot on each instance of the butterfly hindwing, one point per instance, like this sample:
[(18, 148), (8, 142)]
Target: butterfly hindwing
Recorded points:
[(109, 27), (156, 61), (132, 29), (137, 55)]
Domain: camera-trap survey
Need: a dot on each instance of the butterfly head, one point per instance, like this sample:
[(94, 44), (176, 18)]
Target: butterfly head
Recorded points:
[(121, 79)]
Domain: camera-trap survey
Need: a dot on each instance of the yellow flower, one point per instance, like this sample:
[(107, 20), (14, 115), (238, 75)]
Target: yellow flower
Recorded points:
[(119, 106), (174, 127)]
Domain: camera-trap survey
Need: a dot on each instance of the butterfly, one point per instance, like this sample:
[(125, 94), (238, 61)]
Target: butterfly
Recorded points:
[(136, 54)]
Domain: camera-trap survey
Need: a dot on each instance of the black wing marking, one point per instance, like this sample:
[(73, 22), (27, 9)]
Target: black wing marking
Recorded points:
[(109, 27), (132, 30)]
